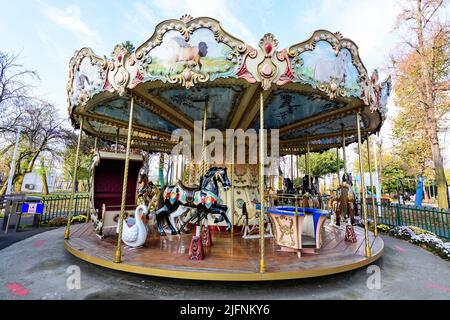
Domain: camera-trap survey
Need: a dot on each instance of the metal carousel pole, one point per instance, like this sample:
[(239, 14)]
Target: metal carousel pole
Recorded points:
[(292, 166), (203, 169), (338, 167), (344, 157), (232, 190), (118, 257), (374, 209), (74, 180), (308, 163), (262, 266), (363, 196)]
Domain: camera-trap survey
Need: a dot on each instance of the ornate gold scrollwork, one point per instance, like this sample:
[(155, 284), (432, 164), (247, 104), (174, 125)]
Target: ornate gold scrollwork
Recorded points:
[(187, 26), (188, 78), (75, 62)]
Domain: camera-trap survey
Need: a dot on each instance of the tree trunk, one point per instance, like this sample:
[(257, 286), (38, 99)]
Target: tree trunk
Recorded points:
[(20, 178), (3, 189)]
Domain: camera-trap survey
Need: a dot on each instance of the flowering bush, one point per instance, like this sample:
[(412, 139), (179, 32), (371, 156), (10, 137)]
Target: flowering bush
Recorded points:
[(423, 238), (383, 228), (80, 218)]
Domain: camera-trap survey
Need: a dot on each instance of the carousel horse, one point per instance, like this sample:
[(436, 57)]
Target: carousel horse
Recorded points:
[(288, 186), (311, 194), (146, 191), (345, 202), (288, 189), (204, 198)]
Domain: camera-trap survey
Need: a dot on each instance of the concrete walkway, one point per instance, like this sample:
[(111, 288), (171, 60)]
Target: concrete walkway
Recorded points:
[(35, 268)]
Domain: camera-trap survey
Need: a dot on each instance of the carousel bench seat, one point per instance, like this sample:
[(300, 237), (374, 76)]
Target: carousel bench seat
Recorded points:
[(107, 171)]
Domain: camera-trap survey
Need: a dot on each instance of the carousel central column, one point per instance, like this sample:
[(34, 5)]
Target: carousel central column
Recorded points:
[(74, 178), (118, 257), (262, 266), (374, 209), (363, 196)]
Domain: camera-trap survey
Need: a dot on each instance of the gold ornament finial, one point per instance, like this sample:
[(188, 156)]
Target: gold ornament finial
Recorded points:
[(186, 18)]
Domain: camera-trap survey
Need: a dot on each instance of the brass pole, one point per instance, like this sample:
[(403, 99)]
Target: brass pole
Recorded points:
[(292, 166), (361, 172), (205, 114), (296, 166), (232, 191), (338, 166), (374, 209), (262, 266), (74, 181), (117, 139), (308, 162), (344, 157), (118, 257)]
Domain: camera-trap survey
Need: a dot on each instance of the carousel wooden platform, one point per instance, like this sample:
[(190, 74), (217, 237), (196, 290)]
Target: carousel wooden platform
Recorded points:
[(229, 259)]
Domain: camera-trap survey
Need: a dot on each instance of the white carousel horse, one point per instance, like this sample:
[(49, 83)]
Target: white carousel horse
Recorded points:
[(134, 235)]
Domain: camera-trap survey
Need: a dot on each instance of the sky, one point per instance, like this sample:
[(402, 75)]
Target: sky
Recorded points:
[(47, 33)]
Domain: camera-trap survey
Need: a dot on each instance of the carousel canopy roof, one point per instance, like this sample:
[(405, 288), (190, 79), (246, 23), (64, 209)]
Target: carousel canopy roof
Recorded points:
[(311, 90)]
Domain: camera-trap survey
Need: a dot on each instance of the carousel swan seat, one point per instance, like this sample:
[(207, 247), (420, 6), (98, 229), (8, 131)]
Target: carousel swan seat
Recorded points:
[(300, 231)]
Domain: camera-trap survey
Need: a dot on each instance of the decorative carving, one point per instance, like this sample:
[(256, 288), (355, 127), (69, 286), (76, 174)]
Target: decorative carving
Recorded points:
[(83, 84), (118, 76), (288, 76), (332, 89), (188, 78), (331, 85), (186, 18), (286, 236), (267, 70), (244, 73), (191, 55), (371, 91)]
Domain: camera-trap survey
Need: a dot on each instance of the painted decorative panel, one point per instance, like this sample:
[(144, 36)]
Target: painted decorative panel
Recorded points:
[(191, 103), (118, 109), (86, 78), (190, 51), (286, 107), (323, 128)]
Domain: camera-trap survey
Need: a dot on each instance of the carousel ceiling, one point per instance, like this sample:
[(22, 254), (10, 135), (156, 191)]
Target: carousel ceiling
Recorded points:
[(311, 90)]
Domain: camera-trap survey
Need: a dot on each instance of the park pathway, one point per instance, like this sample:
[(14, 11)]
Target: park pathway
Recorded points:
[(35, 268)]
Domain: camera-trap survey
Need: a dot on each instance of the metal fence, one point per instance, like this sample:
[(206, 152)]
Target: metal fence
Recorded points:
[(59, 206), (427, 218)]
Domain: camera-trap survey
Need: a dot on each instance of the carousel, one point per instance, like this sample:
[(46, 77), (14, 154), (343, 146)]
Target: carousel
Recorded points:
[(229, 218)]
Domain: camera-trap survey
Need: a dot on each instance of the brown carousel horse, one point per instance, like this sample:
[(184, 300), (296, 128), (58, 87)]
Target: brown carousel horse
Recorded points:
[(146, 191), (344, 202)]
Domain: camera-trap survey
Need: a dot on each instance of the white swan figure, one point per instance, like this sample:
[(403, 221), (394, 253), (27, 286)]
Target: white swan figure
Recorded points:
[(135, 235)]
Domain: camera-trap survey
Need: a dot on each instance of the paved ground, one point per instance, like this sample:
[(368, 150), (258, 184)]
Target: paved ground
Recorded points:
[(36, 269)]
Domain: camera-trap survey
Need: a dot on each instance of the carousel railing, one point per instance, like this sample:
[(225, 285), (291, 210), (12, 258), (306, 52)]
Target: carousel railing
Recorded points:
[(59, 206), (288, 199), (428, 218)]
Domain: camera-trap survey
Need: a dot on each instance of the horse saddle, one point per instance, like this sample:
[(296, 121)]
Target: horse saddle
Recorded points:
[(190, 191)]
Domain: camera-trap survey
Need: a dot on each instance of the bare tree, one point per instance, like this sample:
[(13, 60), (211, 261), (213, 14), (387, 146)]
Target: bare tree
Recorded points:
[(42, 134), (16, 82)]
